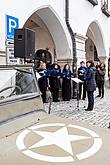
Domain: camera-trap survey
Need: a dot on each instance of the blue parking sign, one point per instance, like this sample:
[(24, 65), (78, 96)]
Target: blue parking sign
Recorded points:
[(12, 23)]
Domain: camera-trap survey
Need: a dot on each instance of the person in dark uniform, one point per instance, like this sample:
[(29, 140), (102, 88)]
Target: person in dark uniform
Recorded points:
[(100, 78), (97, 66), (82, 76), (66, 83), (90, 84), (43, 81), (54, 81)]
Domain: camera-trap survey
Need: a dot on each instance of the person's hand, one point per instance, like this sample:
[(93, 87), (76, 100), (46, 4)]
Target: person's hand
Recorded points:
[(82, 71), (48, 87)]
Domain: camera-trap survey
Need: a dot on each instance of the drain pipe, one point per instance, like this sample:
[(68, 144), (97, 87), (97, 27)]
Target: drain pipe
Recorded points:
[(72, 34)]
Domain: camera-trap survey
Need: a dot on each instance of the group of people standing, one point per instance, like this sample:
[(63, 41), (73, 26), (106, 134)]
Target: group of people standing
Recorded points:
[(50, 79), (53, 78)]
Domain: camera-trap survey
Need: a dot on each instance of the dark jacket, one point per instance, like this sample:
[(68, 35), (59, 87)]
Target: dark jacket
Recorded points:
[(90, 79), (42, 81), (55, 79), (67, 74), (100, 74)]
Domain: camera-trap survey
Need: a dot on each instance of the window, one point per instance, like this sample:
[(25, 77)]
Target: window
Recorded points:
[(104, 8), (17, 82)]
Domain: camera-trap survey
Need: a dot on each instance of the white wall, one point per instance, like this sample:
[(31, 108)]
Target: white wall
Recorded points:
[(82, 14), (23, 9)]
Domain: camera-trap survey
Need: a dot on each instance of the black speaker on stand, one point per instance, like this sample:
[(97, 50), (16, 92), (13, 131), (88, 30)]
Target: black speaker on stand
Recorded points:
[(24, 43)]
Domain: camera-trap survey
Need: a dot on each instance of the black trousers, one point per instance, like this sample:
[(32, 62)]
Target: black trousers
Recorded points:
[(90, 95), (43, 91), (55, 94), (100, 85)]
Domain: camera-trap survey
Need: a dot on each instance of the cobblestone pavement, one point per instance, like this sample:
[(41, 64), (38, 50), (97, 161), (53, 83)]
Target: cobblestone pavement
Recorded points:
[(100, 116)]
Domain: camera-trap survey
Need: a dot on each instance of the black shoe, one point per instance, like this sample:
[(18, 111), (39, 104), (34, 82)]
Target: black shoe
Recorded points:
[(88, 109), (67, 100), (56, 100)]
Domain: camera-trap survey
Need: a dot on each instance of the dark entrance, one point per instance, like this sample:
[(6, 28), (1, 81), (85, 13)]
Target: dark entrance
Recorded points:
[(43, 55)]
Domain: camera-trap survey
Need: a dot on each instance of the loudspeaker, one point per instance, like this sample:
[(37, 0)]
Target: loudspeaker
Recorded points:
[(24, 43)]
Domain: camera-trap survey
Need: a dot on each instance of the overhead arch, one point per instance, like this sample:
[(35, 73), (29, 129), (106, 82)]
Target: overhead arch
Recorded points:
[(95, 33), (56, 29)]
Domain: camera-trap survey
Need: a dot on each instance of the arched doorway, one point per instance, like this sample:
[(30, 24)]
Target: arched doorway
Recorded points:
[(95, 46), (50, 33), (91, 50)]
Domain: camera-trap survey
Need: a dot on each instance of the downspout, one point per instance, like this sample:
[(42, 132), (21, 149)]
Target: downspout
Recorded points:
[(72, 34)]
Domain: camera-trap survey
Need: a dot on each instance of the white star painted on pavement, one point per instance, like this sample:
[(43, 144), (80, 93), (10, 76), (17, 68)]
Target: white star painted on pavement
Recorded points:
[(61, 138)]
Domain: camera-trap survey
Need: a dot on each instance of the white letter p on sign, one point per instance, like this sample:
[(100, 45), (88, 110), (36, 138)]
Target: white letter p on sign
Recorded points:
[(12, 25)]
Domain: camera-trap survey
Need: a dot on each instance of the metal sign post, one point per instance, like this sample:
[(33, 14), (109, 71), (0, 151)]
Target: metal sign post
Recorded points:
[(12, 23), (77, 81), (10, 59)]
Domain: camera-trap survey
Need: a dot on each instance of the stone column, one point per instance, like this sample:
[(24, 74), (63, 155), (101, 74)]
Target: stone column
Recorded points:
[(80, 48)]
